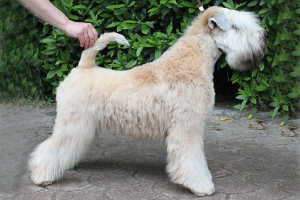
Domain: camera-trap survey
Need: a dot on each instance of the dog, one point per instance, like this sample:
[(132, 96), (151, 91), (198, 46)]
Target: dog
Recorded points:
[(171, 98)]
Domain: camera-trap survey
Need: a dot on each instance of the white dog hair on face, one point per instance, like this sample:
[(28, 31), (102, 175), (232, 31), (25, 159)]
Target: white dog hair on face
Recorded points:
[(170, 98), (242, 41)]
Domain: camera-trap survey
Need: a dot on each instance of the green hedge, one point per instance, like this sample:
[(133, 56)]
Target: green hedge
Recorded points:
[(34, 57), (276, 83), (20, 66)]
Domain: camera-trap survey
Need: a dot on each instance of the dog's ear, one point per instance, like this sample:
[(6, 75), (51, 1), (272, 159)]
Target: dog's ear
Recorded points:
[(218, 20)]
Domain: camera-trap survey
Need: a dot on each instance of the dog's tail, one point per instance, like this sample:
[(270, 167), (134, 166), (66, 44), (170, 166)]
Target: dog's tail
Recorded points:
[(88, 56)]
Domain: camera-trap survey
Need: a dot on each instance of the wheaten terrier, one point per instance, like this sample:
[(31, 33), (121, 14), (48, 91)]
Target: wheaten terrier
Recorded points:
[(170, 98)]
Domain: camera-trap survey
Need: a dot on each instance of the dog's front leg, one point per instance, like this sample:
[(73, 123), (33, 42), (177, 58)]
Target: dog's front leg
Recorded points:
[(186, 160)]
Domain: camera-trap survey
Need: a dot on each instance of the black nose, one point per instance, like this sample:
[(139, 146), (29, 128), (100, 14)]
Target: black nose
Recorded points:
[(248, 65), (265, 34)]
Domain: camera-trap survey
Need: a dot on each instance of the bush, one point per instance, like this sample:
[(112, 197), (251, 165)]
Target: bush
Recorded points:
[(46, 55), (20, 65), (276, 83), (149, 27)]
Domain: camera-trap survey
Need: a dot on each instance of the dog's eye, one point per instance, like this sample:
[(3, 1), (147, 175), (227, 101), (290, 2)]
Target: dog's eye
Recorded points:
[(235, 27)]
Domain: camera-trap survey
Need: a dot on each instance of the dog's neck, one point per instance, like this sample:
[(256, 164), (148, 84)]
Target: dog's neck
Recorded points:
[(198, 44)]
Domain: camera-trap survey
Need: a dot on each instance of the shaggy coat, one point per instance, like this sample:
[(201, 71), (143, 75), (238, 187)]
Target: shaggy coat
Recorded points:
[(170, 98)]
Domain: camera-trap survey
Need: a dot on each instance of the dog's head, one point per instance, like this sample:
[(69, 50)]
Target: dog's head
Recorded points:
[(237, 34)]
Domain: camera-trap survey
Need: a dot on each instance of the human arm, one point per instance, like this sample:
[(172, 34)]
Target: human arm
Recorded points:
[(46, 11)]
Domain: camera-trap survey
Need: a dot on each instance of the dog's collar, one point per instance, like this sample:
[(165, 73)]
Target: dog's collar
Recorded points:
[(200, 6)]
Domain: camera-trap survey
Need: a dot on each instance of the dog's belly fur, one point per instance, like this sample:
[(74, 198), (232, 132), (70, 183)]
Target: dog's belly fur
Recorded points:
[(121, 98)]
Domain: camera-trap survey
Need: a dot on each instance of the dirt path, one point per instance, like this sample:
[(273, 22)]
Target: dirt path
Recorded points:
[(245, 164)]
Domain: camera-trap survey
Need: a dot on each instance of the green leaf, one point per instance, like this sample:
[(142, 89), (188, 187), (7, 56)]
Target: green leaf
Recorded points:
[(10, 86), (235, 77), (263, 11), (173, 2), (73, 17), (144, 29), (275, 111), (237, 106), (113, 7), (59, 62), (67, 3), (205, 2), (243, 104), (246, 87), (64, 67), (169, 28), (187, 4), (33, 89), (252, 3), (93, 16), (230, 2), (296, 53), (23, 81), (146, 45), (50, 74), (48, 66), (253, 100), (131, 4), (274, 104), (247, 78), (295, 74), (59, 73), (130, 22), (120, 11), (285, 107), (153, 2), (261, 66), (139, 50), (241, 97), (240, 5), (191, 10), (297, 32), (254, 72), (77, 7), (48, 51), (114, 24), (48, 40), (279, 79), (157, 54), (153, 11), (128, 26), (261, 88), (242, 92), (130, 64), (293, 95), (227, 5)]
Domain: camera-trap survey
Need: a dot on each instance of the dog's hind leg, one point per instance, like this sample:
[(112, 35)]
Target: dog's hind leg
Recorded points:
[(71, 139), (186, 160)]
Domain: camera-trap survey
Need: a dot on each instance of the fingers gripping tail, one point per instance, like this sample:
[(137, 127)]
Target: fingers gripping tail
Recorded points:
[(88, 56)]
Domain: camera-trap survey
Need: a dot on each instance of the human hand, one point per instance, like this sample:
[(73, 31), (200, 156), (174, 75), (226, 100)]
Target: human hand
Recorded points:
[(85, 32)]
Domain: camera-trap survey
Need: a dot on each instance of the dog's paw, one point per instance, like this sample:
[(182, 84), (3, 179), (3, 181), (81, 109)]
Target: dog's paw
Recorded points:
[(40, 180), (207, 192), (203, 188), (44, 183)]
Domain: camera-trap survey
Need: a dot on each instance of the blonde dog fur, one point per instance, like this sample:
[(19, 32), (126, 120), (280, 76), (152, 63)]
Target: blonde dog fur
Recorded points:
[(171, 98)]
